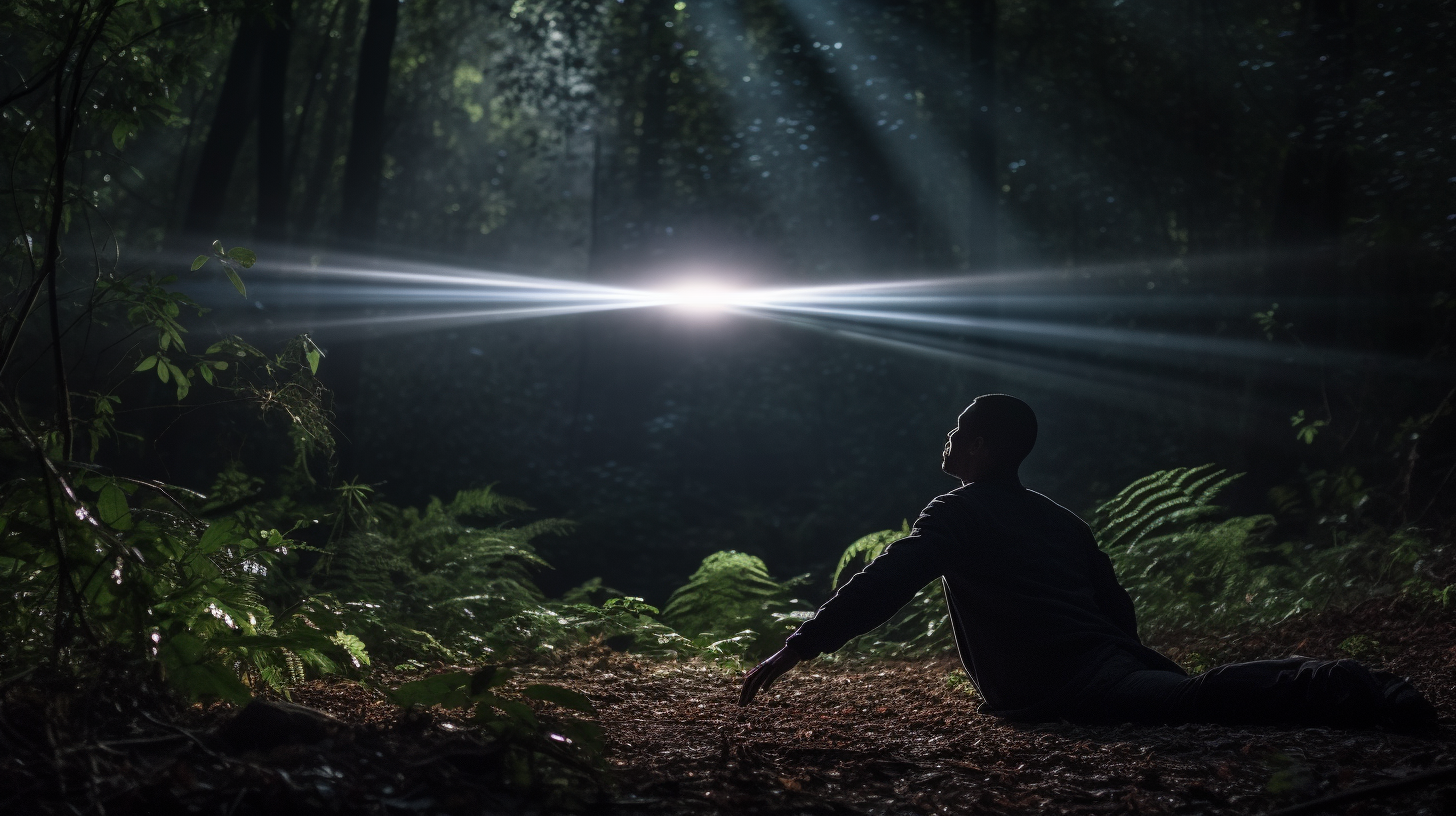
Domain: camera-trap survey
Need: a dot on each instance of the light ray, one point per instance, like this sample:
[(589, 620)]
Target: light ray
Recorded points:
[(1041, 324)]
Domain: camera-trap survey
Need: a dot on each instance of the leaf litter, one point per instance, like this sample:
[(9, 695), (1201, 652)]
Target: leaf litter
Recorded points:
[(841, 737)]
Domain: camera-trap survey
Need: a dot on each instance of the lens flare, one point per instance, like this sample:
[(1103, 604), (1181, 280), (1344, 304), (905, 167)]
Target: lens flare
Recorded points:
[(701, 296), (1039, 326)]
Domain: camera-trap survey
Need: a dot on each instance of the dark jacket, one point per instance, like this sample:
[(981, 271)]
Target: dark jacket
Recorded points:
[(1035, 605)]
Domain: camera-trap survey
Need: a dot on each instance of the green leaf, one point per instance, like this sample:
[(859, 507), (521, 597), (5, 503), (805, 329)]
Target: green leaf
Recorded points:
[(237, 281), (183, 383), (561, 696), (488, 677), (313, 360), (217, 248), (164, 372), (111, 505), (206, 372), (218, 535), (198, 262), (517, 711), (448, 690), (182, 649), (120, 133), (147, 364), (199, 681), (353, 645), (244, 256)]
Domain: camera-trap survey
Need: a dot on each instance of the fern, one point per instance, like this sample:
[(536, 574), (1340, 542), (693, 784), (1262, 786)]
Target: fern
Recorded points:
[(867, 549), (425, 570), (1185, 570), (730, 597), (1158, 501)]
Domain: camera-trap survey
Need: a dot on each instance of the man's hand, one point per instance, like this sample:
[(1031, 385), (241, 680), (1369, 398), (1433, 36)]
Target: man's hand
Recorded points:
[(766, 673)]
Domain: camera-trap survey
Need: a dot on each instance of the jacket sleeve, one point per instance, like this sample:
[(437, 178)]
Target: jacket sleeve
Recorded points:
[(875, 594), (1112, 599)]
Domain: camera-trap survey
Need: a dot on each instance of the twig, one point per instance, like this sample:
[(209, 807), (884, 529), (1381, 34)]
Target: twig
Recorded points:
[(188, 734), (1367, 791)]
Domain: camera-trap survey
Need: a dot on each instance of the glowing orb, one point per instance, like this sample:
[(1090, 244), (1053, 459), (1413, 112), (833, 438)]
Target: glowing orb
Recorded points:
[(700, 297)]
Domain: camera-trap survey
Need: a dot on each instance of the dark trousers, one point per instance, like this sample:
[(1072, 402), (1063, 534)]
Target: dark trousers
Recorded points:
[(1294, 691)]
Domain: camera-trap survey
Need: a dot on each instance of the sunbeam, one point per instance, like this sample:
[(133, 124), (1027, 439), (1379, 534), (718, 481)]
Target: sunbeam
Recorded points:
[(1028, 325)]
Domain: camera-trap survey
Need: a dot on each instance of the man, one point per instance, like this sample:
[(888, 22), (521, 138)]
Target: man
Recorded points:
[(1044, 629)]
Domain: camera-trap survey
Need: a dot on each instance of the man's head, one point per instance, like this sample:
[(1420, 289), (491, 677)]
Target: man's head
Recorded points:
[(990, 439)]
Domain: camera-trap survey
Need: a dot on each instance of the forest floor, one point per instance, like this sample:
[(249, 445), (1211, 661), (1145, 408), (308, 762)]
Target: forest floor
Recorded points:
[(887, 737)]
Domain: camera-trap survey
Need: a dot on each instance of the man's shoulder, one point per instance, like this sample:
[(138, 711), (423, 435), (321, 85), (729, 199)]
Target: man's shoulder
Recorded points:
[(970, 496)]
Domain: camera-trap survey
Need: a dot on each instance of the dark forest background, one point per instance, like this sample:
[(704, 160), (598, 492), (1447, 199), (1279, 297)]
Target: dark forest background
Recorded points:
[(1210, 159)]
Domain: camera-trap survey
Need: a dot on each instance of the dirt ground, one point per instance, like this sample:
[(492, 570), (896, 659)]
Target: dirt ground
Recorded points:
[(897, 737), (904, 737)]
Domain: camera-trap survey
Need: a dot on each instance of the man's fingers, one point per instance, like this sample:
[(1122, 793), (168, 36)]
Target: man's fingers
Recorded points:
[(750, 686), (764, 674)]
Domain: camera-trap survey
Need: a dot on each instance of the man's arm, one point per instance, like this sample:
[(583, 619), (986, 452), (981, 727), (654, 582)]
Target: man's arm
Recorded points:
[(873, 595), (868, 599), (1112, 599)]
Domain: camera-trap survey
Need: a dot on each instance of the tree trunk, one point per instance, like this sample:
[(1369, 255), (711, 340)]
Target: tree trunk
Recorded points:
[(359, 214), (235, 111), (365, 161), (320, 175), (272, 218)]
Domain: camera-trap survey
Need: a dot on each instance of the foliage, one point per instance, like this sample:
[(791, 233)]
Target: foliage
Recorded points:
[(91, 560), (546, 750), (1187, 571), (732, 607), (867, 549), (425, 570), (1156, 502)]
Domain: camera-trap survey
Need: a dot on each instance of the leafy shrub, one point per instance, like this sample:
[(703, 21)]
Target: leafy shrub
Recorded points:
[(732, 607), (867, 549), (427, 571), (1184, 570), (554, 758), (95, 560), (1157, 502)]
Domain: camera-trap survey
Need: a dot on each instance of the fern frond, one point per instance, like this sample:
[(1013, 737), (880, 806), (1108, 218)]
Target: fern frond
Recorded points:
[(483, 502), (867, 548), (1157, 501), (730, 592)]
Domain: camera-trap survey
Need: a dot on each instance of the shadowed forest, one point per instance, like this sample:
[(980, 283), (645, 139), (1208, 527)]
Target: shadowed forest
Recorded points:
[(436, 406)]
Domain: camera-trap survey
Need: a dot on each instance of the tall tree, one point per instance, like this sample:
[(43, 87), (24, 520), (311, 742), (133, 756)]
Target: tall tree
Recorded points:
[(252, 88), (273, 184), (365, 160), (235, 112)]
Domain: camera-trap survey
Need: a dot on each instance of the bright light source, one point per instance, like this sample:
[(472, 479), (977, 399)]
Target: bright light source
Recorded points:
[(700, 297)]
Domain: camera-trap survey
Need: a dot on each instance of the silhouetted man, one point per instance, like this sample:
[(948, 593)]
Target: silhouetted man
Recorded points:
[(1044, 629)]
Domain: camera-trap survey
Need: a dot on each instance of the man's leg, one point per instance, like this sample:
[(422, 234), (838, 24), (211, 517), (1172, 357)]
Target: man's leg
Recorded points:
[(1294, 691)]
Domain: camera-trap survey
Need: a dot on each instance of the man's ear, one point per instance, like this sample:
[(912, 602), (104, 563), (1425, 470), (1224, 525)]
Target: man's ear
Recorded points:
[(978, 446)]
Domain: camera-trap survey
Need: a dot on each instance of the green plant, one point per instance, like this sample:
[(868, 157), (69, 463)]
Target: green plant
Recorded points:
[(1158, 502), (555, 756), (1185, 570), (867, 549), (426, 570), (91, 560), (731, 607)]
